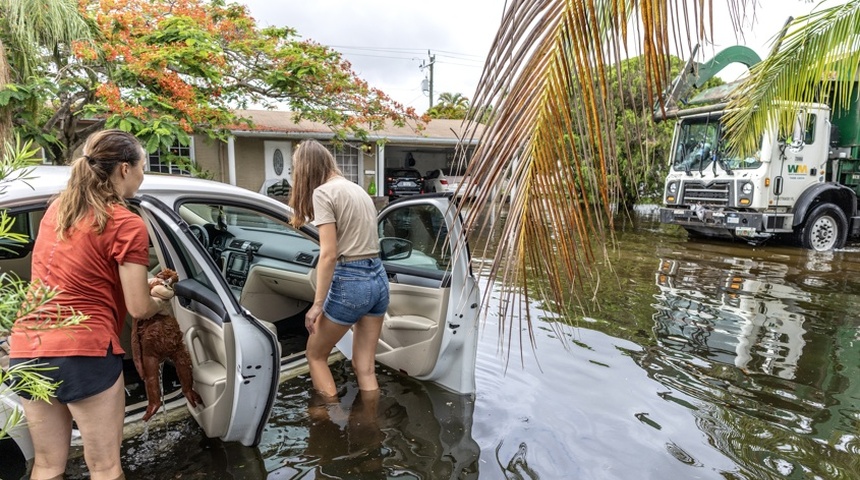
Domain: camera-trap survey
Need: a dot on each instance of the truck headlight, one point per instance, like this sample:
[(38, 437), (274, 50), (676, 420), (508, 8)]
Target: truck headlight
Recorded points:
[(747, 188), (673, 188)]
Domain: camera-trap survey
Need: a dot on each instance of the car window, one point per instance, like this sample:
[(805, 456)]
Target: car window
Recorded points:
[(186, 259), (404, 173), (425, 227), (20, 224), (231, 233), (25, 224)]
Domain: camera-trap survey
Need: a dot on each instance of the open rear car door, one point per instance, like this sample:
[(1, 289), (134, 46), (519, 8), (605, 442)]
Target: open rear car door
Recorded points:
[(235, 357)]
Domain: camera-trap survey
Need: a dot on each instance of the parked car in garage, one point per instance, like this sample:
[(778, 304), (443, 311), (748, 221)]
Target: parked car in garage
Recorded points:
[(403, 182), (435, 181), (247, 278)]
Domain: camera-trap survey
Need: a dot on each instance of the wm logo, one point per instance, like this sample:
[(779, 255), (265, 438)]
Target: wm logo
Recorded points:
[(798, 169)]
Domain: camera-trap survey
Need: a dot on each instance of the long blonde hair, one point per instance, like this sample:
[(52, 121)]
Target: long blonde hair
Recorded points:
[(313, 164), (90, 186)]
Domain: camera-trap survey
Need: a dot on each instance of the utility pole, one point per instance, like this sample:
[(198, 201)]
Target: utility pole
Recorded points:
[(430, 83)]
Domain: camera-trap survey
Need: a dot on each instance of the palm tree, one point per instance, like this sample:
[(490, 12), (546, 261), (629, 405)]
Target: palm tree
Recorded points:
[(450, 105), (552, 141), (29, 29), (823, 44), (454, 100)]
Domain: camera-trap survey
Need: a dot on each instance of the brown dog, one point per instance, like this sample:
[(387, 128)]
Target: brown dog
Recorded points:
[(156, 339)]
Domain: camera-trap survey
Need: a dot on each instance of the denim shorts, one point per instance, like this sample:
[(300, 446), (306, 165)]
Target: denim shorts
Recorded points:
[(80, 377), (358, 288)]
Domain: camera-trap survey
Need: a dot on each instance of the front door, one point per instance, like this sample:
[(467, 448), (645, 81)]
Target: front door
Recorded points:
[(235, 357), (801, 159), (430, 329), (278, 161)]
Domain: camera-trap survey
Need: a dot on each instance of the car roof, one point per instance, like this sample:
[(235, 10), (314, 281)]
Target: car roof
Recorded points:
[(45, 181)]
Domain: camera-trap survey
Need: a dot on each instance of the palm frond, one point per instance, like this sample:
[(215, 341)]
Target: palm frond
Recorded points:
[(551, 139), (817, 48), (34, 24)]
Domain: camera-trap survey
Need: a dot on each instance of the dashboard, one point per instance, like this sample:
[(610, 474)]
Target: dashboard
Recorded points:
[(237, 250)]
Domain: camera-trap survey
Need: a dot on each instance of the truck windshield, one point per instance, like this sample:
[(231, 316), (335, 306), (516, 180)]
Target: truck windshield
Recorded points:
[(700, 144)]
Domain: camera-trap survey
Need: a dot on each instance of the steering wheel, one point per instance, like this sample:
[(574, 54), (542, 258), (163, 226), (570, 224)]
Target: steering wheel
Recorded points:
[(201, 234)]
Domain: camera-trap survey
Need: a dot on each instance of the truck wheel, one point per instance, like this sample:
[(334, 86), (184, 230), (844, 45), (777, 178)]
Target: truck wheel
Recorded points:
[(826, 228)]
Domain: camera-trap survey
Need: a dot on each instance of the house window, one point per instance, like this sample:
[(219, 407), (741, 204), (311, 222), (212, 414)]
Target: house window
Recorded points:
[(167, 162), (347, 157)]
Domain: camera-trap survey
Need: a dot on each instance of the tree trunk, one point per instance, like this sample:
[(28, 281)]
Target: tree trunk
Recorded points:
[(5, 112)]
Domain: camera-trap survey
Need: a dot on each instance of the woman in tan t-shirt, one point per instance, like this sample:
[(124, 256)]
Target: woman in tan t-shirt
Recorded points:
[(352, 287)]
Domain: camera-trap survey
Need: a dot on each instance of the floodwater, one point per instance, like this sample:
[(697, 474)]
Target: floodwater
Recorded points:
[(704, 360)]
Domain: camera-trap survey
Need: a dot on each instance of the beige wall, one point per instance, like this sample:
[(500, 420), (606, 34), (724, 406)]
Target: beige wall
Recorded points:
[(208, 158), (211, 155), (250, 163)]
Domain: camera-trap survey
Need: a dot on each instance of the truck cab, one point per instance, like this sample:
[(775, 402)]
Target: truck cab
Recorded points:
[(771, 192), (801, 188)]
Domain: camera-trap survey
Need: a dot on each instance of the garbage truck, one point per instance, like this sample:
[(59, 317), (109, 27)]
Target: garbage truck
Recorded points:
[(801, 190)]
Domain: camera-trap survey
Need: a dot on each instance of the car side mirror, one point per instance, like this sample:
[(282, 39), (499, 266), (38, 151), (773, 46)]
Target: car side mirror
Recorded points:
[(393, 248)]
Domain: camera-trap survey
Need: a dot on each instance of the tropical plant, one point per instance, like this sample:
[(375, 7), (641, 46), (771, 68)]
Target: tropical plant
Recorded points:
[(821, 46), (547, 80), (166, 69), (449, 105), (26, 27), (19, 298)]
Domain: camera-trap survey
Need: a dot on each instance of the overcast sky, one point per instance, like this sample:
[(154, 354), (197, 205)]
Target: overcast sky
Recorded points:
[(387, 41)]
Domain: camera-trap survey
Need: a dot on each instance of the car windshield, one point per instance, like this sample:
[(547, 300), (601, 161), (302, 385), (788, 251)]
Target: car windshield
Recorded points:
[(227, 215), (404, 173), (701, 142)]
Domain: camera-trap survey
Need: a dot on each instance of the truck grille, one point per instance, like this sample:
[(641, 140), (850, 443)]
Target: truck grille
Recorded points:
[(716, 193)]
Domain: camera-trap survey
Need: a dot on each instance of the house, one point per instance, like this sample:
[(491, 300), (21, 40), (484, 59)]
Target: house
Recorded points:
[(259, 157)]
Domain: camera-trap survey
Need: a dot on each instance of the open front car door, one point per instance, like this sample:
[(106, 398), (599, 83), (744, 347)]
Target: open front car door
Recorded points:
[(430, 329), (235, 357)]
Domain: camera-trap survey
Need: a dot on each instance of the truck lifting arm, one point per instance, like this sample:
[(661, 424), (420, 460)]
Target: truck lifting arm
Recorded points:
[(695, 74)]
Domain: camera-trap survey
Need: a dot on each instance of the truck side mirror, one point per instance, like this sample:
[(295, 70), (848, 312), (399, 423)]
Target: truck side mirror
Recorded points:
[(798, 134), (835, 136)]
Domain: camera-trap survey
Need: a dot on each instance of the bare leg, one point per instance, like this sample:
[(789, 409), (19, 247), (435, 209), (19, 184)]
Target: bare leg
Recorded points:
[(364, 341), (50, 427), (319, 347), (100, 420)]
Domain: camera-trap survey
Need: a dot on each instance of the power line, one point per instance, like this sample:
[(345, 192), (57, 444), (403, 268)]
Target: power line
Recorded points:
[(379, 49), (473, 65), (462, 56), (377, 56)]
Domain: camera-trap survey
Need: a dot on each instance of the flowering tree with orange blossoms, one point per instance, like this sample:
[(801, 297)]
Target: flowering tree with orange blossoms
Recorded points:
[(166, 69)]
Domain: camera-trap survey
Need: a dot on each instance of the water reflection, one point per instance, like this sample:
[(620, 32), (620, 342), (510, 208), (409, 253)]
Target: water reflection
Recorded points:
[(730, 317), (345, 443), (406, 430), (767, 348), (517, 467)]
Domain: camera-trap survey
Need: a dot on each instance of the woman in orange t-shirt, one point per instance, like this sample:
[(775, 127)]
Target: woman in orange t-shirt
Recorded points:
[(94, 252)]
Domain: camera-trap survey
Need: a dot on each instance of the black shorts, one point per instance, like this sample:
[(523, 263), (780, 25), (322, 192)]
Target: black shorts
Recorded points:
[(80, 377)]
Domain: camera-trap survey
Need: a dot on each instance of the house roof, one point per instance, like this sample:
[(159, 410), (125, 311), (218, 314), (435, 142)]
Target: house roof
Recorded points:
[(282, 123)]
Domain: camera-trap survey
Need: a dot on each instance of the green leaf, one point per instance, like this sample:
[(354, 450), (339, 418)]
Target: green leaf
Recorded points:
[(152, 144), (125, 125)]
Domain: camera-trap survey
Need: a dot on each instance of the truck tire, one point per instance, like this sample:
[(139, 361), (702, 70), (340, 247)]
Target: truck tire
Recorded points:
[(826, 228)]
